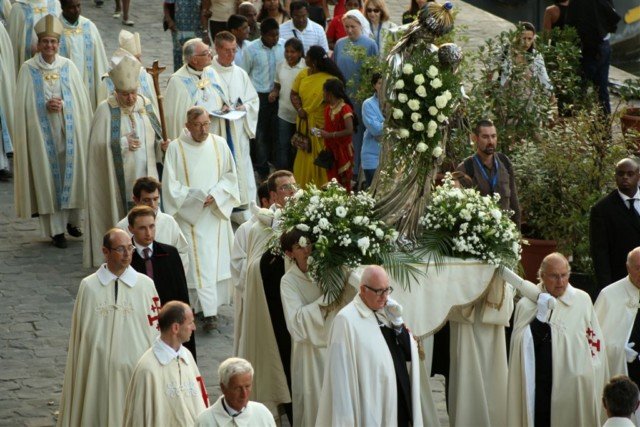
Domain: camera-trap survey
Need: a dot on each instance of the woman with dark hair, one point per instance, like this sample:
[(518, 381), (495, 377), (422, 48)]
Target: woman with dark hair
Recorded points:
[(273, 9), (307, 99), (523, 51), (411, 14), (339, 125)]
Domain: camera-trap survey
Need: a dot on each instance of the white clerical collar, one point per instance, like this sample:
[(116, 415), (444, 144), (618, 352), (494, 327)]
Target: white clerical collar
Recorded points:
[(130, 276), (140, 249), (222, 67), (69, 24), (625, 197), (44, 64), (194, 71), (230, 411), (166, 354), (568, 296), (362, 307)]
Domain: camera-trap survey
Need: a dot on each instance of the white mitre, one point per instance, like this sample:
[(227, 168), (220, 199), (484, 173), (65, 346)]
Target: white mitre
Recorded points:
[(124, 73), (130, 42), (48, 26)]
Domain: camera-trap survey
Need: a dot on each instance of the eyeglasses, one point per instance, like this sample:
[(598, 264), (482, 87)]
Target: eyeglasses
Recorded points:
[(288, 187), (123, 249), (380, 292), (203, 125), (557, 276), (373, 10), (205, 53)]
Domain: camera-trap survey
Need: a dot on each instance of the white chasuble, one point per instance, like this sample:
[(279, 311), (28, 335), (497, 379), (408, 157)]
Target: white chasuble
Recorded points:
[(237, 89), (165, 391), (50, 147), (239, 276), (186, 88), (81, 43), (617, 308), (253, 415), (579, 364), (22, 20), (359, 387), (257, 340), (193, 171), (114, 167), (108, 336), (7, 92), (302, 300)]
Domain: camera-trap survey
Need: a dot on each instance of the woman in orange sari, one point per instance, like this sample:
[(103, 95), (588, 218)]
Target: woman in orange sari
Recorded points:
[(307, 98)]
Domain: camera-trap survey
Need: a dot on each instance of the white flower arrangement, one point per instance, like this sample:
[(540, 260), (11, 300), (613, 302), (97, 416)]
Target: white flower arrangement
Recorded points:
[(421, 147), (420, 87), (471, 225), (342, 229), (437, 151), (415, 117)]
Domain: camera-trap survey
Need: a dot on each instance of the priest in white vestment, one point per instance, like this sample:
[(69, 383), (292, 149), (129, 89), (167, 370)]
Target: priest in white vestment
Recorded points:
[(240, 95), (125, 144), (50, 133), (233, 408), (81, 43), (308, 321), (129, 44), (239, 260), (195, 83), (617, 311), (166, 387), (257, 340), (146, 192), (7, 92), (558, 364), (366, 378), (22, 20), (114, 322), (200, 191)]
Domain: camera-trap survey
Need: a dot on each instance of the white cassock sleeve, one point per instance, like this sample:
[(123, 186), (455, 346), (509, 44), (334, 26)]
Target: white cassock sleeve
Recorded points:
[(305, 322)]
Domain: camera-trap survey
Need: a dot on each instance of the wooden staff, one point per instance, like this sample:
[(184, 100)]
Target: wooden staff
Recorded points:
[(155, 71)]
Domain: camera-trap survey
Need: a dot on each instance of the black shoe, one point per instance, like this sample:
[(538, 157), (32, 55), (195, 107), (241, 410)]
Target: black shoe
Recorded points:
[(210, 323), (59, 241), (99, 3), (73, 231), (5, 175)]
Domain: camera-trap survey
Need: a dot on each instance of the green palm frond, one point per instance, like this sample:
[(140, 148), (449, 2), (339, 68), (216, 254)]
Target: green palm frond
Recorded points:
[(401, 266), (433, 246)]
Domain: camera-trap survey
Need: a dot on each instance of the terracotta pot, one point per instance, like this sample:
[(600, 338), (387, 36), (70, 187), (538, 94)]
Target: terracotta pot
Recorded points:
[(533, 254), (631, 121)]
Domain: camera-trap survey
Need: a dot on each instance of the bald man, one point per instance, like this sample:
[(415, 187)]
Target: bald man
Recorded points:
[(617, 311), (614, 226), (563, 342), (369, 348)]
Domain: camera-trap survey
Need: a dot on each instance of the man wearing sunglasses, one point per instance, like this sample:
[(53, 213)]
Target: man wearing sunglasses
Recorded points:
[(369, 347), (614, 226)]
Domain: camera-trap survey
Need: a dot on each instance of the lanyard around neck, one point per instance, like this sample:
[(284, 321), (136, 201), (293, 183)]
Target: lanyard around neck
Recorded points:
[(494, 179)]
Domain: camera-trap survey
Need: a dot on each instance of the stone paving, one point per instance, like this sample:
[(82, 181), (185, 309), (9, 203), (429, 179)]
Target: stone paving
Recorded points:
[(38, 282)]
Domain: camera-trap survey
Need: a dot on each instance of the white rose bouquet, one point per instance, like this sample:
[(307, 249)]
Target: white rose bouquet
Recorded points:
[(342, 229), (462, 223)]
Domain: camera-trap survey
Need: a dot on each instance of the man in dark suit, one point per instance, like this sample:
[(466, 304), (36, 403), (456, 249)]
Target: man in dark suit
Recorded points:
[(160, 262), (614, 228)]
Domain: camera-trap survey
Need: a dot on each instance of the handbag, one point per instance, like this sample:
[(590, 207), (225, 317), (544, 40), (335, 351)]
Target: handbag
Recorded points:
[(301, 140), (325, 159)]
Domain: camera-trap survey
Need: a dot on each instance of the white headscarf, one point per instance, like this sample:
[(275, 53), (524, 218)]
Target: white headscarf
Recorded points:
[(366, 27)]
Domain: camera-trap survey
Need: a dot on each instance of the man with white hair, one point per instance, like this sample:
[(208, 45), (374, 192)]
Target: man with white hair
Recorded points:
[(617, 311), (366, 379), (166, 387), (234, 407), (557, 365), (195, 83), (124, 144)]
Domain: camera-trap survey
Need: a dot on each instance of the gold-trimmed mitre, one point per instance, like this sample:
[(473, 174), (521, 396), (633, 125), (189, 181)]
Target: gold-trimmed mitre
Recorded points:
[(49, 26), (124, 73)]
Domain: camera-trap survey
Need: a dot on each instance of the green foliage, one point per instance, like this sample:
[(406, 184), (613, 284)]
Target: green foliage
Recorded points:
[(561, 176)]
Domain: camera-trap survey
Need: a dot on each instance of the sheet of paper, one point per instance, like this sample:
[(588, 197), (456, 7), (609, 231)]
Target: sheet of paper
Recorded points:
[(229, 115)]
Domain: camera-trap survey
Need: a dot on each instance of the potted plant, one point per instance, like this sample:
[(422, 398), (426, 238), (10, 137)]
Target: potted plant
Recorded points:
[(560, 178), (630, 115)]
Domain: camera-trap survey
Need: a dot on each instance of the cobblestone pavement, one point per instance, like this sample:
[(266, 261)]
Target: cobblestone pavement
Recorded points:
[(38, 282)]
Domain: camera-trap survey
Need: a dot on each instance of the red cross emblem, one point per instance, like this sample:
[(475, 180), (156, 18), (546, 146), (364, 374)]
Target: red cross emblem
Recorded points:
[(593, 341), (155, 308)]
